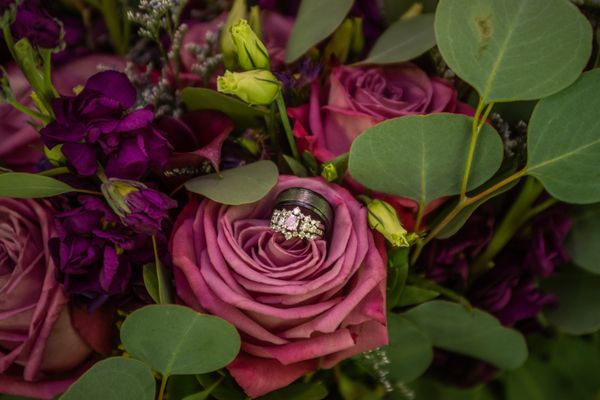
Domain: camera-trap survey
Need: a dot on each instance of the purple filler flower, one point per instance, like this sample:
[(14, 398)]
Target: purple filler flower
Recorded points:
[(34, 23), (94, 126), (139, 207), (94, 252)]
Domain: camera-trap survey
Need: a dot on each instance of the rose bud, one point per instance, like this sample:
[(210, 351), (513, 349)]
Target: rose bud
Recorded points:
[(257, 87), (250, 50), (139, 207), (384, 219)]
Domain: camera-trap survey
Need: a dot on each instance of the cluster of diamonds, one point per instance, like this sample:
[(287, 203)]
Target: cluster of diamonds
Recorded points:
[(292, 224)]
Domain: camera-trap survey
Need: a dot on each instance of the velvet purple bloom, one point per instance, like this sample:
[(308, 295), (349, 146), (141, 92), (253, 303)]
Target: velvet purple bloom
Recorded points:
[(94, 252), (94, 126), (34, 23)]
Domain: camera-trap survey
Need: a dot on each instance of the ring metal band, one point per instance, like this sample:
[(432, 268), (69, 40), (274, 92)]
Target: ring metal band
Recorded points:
[(308, 199), (302, 213)]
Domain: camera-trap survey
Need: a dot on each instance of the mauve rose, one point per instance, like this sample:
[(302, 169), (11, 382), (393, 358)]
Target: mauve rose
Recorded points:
[(358, 98), (20, 145), (299, 305), (39, 346)]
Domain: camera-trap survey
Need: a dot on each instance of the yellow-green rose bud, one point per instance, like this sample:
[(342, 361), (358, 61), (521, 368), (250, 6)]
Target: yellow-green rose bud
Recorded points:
[(257, 87), (329, 172), (238, 11), (250, 50), (384, 219), (55, 155)]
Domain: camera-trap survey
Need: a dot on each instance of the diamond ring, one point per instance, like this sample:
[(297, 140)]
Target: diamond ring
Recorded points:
[(301, 213)]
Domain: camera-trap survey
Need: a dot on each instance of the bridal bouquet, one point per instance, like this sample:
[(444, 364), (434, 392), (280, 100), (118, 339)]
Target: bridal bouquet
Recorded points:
[(300, 200)]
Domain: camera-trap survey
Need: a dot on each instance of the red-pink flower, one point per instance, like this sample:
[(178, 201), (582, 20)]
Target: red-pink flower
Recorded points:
[(299, 305), (41, 351)]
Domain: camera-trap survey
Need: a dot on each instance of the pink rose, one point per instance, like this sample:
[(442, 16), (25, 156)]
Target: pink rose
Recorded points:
[(358, 98), (40, 349), (20, 145), (299, 305)]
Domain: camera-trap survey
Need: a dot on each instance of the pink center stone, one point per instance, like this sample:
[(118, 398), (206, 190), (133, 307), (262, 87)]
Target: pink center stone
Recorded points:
[(291, 223)]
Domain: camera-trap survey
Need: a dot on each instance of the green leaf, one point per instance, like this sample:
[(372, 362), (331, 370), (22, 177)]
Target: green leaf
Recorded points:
[(21, 185), (434, 151), (181, 386), (228, 389), (115, 378), (410, 352), (505, 50), (403, 41), (298, 391), (398, 265), (207, 99), (176, 340), (352, 389), (151, 281), (563, 143), (296, 166), (537, 380), (242, 185), (163, 278), (392, 10), (427, 388), (474, 333), (412, 295), (584, 238), (316, 20), (578, 312)]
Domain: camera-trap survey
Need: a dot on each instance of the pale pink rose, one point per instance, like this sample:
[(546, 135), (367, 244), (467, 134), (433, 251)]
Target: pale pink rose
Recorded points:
[(41, 352), (299, 305), (20, 145)]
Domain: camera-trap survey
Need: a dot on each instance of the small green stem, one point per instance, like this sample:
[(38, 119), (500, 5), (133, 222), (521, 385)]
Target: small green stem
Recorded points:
[(513, 220), (110, 13), (419, 220), (163, 386), (46, 119), (286, 125), (10, 43), (93, 192), (543, 206), (478, 123), (55, 171)]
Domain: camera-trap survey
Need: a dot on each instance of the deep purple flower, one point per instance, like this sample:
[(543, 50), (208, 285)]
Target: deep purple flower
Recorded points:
[(139, 207), (94, 126), (34, 23), (94, 252)]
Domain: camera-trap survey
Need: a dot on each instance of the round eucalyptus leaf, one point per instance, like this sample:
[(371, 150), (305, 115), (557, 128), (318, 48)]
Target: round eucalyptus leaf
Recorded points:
[(473, 332), (506, 48), (423, 157), (410, 351), (584, 238), (578, 292), (563, 143), (115, 378), (236, 186), (176, 340)]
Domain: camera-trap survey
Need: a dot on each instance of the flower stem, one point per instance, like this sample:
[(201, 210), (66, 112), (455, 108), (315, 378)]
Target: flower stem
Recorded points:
[(32, 113), (54, 171), (10, 43), (163, 386), (513, 220), (286, 125)]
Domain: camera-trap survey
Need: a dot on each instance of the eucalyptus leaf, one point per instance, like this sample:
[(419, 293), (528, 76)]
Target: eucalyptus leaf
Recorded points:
[(430, 389), (537, 380), (298, 391), (21, 185), (434, 151), (316, 20), (412, 295), (242, 185), (398, 265), (410, 351), (115, 378), (505, 50), (578, 311), (176, 340), (473, 332), (584, 238), (403, 41), (392, 10), (151, 281), (563, 143), (181, 386), (207, 99)]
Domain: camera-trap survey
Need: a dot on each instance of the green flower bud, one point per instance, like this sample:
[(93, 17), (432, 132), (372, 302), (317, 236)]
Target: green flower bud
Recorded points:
[(257, 87), (115, 192), (250, 50), (55, 155), (329, 172), (238, 11), (384, 219)]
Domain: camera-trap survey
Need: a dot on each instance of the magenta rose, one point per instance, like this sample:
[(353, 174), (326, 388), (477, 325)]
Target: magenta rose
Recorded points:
[(41, 351), (20, 145), (358, 98), (299, 305)]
